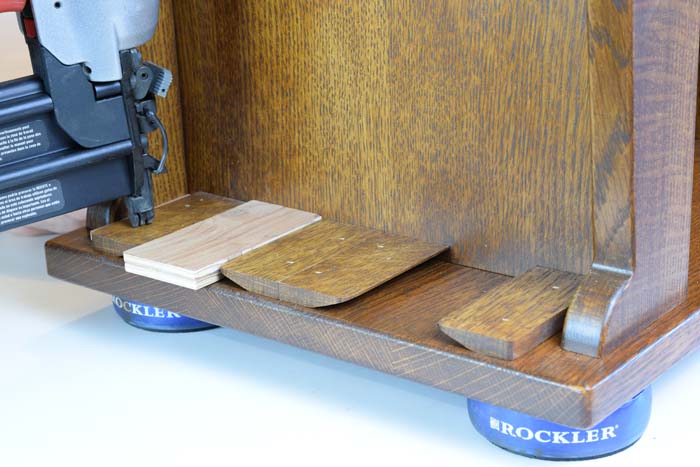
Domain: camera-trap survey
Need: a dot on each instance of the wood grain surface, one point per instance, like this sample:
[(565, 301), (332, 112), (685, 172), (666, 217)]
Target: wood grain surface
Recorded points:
[(327, 263), (192, 256), (612, 128), (455, 122), (114, 239), (515, 317), (394, 329), (162, 50), (468, 123), (644, 64)]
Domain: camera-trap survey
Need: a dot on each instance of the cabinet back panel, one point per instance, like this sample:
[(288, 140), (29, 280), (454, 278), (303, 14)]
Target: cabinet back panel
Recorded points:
[(460, 122)]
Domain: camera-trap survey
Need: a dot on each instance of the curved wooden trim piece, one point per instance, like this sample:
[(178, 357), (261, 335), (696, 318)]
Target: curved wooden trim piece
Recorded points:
[(643, 77), (593, 303)]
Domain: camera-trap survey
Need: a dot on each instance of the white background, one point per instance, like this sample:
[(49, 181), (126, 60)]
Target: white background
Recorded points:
[(80, 388)]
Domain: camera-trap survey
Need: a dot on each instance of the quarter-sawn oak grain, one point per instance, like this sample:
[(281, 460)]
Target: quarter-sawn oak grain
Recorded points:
[(162, 50), (114, 239), (644, 64), (394, 329), (513, 318), (327, 263), (456, 122), (480, 113)]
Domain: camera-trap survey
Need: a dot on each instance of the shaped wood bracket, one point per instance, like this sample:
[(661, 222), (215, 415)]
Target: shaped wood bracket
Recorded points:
[(643, 77)]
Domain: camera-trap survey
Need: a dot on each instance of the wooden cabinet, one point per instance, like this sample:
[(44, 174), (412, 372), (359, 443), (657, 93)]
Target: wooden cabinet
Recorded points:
[(556, 134)]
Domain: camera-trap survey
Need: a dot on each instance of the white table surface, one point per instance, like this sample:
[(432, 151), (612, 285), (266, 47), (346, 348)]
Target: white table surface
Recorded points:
[(78, 387)]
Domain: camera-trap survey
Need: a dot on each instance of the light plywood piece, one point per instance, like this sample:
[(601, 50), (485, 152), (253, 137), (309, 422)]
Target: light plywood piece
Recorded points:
[(328, 263), (114, 239), (193, 256), (516, 316)]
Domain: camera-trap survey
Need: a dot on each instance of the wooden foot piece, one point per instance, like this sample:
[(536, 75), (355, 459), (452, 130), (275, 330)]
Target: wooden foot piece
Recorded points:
[(328, 263), (513, 318)]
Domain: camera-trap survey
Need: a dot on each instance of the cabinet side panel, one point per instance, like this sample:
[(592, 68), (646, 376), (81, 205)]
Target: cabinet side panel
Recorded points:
[(162, 50)]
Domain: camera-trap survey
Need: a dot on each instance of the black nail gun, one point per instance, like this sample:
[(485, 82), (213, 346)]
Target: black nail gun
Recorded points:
[(73, 135)]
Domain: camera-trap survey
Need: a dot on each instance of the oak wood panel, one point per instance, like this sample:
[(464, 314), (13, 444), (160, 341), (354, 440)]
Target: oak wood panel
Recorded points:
[(162, 50), (464, 123), (114, 239), (327, 263), (394, 329), (192, 256), (513, 318), (612, 127), (644, 64)]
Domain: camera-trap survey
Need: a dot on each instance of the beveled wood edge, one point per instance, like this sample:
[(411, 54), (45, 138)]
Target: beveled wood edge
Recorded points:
[(314, 299), (504, 349), (311, 299), (465, 326), (579, 406)]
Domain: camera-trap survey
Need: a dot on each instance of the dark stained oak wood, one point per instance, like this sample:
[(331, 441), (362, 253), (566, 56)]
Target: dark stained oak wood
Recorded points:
[(114, 239), (515, 317), (523, 133), (458, 122), (612, 128), (162, 50), (697, 120), (644, 63), (327, 263), (394, 329)]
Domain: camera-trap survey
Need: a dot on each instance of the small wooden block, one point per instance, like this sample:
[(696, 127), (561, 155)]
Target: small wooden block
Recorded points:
[(328, 263), (193, 256), (514, 317), (114, 239)]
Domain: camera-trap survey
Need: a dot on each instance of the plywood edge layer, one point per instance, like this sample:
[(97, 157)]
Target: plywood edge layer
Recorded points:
[(175, 279)]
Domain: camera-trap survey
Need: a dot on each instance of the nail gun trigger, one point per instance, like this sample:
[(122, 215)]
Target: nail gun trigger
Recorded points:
[(150, 162)]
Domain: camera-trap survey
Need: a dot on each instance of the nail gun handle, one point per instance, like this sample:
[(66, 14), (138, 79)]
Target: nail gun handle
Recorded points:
[(12, 5)]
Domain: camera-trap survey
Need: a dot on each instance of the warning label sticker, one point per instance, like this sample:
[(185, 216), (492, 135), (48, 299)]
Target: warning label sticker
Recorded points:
[(22, 141), (23, 205)]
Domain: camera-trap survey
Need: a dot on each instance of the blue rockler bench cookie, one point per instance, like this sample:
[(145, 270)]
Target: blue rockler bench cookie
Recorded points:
[(151, 318), (534, 437)]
